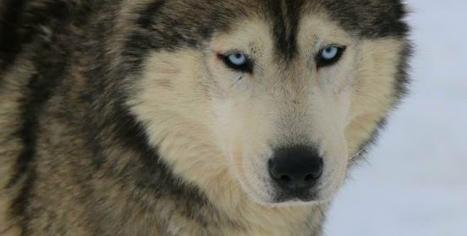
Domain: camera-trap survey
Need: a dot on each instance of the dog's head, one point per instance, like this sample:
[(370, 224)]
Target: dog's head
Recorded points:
[(278, 95)]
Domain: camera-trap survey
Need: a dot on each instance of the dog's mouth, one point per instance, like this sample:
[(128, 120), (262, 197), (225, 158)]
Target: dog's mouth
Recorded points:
[(297, 196), (269, 192)]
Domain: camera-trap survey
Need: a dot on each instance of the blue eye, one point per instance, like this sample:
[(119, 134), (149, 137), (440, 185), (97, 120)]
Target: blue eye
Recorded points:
[(238, 61), (329, 55)]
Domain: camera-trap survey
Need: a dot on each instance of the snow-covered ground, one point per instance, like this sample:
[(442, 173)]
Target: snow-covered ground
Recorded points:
[(415, 180)]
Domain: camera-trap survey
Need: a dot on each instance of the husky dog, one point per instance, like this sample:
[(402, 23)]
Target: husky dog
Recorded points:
[(189, 117)]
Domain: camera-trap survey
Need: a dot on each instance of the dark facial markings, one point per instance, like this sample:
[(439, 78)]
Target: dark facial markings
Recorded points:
[(369, 19), (170, 25), (285, 17)]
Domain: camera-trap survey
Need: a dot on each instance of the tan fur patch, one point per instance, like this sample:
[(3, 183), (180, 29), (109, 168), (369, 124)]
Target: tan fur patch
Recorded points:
[(375, 88)]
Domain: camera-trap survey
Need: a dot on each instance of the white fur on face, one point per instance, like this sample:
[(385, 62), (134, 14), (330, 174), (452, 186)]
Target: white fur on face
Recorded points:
[(217, 127), (277, 107)]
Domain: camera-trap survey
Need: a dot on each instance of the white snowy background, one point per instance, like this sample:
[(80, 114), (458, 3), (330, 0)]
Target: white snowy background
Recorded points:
[(414, 182)]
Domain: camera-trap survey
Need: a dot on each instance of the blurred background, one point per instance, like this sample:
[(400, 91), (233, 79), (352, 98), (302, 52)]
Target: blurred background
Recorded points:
[(414, 181)]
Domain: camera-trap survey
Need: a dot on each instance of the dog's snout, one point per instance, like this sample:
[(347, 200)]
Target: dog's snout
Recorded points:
[(296, 169)]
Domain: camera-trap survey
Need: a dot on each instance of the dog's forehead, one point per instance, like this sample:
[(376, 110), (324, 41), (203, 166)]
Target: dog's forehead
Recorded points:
[(364, 17), (192, 22)]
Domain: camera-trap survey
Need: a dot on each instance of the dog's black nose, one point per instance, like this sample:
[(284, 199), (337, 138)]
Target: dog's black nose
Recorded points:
[(296, 169)]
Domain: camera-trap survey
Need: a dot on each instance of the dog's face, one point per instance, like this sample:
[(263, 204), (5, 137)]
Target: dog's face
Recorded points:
[(279, 100)]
